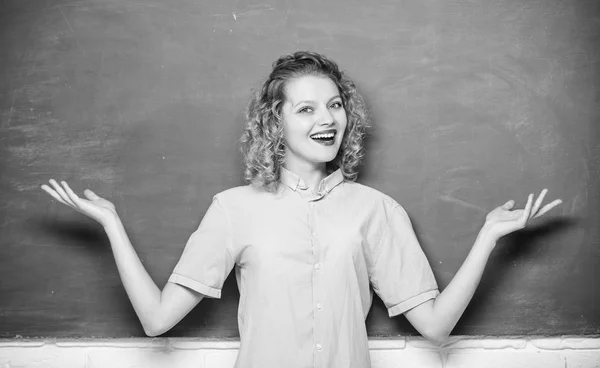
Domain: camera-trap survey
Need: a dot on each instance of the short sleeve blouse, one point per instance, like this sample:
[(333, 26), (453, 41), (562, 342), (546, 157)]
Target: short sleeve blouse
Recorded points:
[(306, 265)]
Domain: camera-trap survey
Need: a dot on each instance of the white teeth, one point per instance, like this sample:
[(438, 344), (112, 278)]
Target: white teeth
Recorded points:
[(323, 136)]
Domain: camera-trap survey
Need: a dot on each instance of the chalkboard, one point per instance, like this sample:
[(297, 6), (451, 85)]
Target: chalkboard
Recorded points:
[(473, 103)]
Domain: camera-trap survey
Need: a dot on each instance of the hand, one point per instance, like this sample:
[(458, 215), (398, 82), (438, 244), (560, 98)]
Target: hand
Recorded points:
[(95, 207), (502, 221)]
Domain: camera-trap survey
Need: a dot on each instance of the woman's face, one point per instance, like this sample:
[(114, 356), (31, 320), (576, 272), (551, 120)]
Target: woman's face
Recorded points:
[(314, 121)]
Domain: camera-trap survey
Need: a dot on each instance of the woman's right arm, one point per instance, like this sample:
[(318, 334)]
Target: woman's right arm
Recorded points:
[(157, 310)]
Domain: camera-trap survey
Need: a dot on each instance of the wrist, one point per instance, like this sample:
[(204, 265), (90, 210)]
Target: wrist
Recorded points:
[(486, 237), (111, 224)]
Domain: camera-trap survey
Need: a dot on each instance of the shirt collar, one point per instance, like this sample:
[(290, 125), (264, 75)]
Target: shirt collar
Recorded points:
[(295, 182)]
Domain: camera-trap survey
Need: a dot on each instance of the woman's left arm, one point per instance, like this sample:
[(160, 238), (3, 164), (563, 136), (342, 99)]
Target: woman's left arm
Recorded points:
[(436, 318)]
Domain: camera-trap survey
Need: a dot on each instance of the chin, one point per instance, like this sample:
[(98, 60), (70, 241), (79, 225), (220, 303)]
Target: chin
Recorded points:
[(322, 154), (326, 158)]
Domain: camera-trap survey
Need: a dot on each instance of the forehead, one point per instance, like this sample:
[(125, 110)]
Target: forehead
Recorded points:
[(310, 87)]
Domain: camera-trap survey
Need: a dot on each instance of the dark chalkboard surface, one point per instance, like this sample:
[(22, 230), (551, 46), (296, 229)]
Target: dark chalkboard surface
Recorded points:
[(473, 103)]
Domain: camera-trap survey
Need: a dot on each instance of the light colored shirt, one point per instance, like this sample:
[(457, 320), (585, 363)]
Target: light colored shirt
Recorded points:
[(304, 264)]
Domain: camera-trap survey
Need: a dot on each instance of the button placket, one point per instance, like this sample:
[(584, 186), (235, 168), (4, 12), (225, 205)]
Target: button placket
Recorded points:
[(316, 277)]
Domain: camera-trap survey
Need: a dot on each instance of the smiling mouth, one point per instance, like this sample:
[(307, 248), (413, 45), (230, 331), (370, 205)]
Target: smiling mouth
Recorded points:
[(326, 138)]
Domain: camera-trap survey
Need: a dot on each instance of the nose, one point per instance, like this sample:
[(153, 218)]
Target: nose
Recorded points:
[(325, 117)]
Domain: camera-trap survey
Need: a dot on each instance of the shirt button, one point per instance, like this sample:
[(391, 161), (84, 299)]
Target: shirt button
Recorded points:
[(319, 347), (317, 266), (319, 306)]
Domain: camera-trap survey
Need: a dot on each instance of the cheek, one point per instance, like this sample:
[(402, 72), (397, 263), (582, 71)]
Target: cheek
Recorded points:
[(343, 120), (292, 130), (288, 127)]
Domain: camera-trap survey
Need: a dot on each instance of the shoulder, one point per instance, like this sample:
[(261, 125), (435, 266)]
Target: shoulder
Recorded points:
[(245, 196), (240, 193), (371, 195), (379, 207)]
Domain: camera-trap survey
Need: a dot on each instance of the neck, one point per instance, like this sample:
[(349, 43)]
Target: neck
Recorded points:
[(312, 175)]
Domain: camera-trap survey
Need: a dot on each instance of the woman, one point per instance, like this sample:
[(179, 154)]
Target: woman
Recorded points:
[(307, 242)]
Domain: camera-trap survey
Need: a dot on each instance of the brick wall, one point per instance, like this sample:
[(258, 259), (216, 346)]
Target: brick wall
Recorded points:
[(556, 352)]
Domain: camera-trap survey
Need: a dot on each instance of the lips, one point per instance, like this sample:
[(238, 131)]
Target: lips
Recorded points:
[(324, 137)]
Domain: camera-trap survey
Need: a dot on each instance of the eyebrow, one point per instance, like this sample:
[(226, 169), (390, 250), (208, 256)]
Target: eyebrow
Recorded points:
[(311, 101)]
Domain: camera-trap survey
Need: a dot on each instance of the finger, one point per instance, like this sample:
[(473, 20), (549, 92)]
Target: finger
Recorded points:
[(548, 207), (527, 209), (53, 193), (61, 192), (74, 197), (508, 205), (538, 203), (91, 195)]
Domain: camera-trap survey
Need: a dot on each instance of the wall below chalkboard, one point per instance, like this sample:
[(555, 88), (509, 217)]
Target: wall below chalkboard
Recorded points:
[(565, 352)]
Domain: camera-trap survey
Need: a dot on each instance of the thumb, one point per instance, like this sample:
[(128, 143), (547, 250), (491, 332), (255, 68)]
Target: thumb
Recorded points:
[(91, 195), (508, 205)]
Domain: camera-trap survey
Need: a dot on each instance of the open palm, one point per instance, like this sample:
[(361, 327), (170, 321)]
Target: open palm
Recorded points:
[(94, 206), (504, 220)]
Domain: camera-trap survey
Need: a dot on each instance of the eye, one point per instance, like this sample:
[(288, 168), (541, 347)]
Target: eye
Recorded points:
[(305, 109), (336, 105)]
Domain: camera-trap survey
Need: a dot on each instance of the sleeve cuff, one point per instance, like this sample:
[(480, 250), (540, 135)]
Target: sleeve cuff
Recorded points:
[(412, 302), (195, 285)]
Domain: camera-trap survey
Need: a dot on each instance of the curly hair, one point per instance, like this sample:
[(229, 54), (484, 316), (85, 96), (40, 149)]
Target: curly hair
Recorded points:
[(263, 145)]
